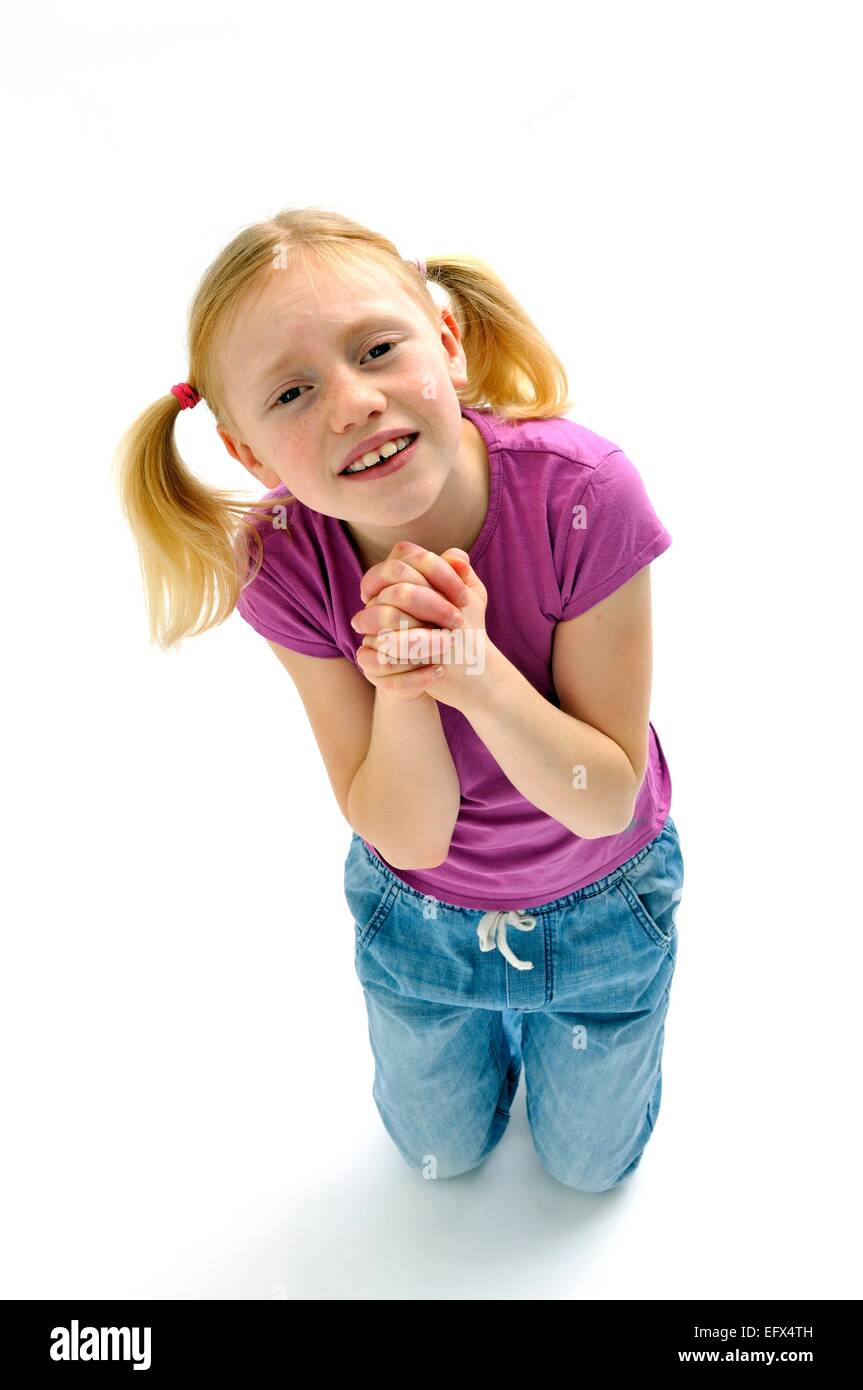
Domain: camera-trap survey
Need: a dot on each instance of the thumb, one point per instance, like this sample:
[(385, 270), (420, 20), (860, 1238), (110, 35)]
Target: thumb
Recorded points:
[(458, 559), (460, 562)]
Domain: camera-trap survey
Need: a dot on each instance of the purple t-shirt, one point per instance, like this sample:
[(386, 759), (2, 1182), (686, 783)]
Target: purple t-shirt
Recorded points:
[(541, 565)]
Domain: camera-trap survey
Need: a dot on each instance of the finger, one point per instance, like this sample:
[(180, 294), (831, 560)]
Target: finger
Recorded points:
[(411, 601), (382, 672), (385, 659), (389, 571), (439, 572), (409, 686), (459, 562), (367, 623), (370, 621), (420, 646)]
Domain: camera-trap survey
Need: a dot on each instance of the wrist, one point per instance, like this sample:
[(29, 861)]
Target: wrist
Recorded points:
[(487, 686)]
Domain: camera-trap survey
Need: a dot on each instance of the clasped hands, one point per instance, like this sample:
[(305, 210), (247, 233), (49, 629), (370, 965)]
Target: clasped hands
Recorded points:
[(423, 611)]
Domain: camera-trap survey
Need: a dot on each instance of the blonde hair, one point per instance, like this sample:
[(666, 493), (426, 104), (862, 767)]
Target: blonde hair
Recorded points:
[(194, 541)]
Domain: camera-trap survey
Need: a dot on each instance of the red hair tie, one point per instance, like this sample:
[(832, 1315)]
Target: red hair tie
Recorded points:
[(186, 394)]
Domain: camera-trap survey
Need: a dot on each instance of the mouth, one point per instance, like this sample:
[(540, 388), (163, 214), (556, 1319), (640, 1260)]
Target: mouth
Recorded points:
[(386, 466)]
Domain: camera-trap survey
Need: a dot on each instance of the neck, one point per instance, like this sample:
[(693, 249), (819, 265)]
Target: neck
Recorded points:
[(457, 516)]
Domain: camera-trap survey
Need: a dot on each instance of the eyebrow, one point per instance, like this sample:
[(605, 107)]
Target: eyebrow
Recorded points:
[(285, 359)]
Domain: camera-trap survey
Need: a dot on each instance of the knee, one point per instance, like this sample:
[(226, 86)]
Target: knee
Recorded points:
[(588, 1176), (453, 1161), (436, 1166)]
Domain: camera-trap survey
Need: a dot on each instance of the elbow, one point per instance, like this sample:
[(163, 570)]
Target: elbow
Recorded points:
[(621, 824), (416, 855), (621, 816), (437, 860), (403, 856), (622, 821), (416, 862), (613, 823), (605, 833), (626, 813)]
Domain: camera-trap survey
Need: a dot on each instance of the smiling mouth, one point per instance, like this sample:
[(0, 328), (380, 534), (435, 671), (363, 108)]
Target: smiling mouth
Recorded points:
[(384, 465)]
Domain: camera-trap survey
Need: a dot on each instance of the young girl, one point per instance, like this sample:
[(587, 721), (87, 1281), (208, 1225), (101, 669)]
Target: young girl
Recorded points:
[(456, 577)]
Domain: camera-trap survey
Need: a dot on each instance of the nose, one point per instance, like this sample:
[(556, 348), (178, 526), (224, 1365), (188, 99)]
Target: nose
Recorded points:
[(355, 401)]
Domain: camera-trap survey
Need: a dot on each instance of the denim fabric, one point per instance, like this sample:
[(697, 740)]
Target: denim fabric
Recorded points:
[(451, 1020)]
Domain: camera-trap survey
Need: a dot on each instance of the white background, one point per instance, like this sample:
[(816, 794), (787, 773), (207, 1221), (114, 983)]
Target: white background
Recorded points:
[(185, 1073)]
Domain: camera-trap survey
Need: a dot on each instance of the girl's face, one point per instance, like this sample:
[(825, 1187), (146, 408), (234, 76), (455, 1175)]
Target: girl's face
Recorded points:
[(313, 371)]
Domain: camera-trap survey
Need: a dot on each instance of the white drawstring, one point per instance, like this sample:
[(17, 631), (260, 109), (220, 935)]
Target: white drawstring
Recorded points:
[(492, 932)]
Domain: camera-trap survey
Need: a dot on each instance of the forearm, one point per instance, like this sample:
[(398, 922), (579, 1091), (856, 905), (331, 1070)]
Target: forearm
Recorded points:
[(405, 796), (573, 772)]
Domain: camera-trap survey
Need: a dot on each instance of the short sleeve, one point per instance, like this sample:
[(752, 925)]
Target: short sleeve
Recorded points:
[(612, 533), (289, 610)]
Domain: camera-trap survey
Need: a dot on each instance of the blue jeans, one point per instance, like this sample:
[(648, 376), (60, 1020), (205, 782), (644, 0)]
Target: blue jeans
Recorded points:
[(576, 989)]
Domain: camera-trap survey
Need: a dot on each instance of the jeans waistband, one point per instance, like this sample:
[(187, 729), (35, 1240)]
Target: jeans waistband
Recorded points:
[(588, 890)]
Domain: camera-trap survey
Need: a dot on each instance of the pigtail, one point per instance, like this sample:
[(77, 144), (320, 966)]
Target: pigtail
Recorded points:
[(514, 371), (195, 542)]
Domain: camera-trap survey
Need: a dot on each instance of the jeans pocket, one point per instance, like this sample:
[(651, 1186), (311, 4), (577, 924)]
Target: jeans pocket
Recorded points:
[(652, 887), (370, 893)]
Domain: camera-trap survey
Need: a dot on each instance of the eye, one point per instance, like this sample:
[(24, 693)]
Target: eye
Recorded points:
[(387, 343), (281, 399)]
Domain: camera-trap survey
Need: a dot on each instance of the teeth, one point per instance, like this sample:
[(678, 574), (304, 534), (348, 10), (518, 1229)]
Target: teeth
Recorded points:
[(392, 446)]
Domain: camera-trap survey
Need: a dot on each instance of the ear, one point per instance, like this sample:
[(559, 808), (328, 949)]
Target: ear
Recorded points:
[(267, 477)]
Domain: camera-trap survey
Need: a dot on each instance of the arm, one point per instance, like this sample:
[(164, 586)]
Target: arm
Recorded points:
[(406, 794), (387, 759), (582, 764), (542, 749)]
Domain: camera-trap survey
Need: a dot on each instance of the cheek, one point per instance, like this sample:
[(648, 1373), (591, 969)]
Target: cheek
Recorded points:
[(295, 447), (416, 367)]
